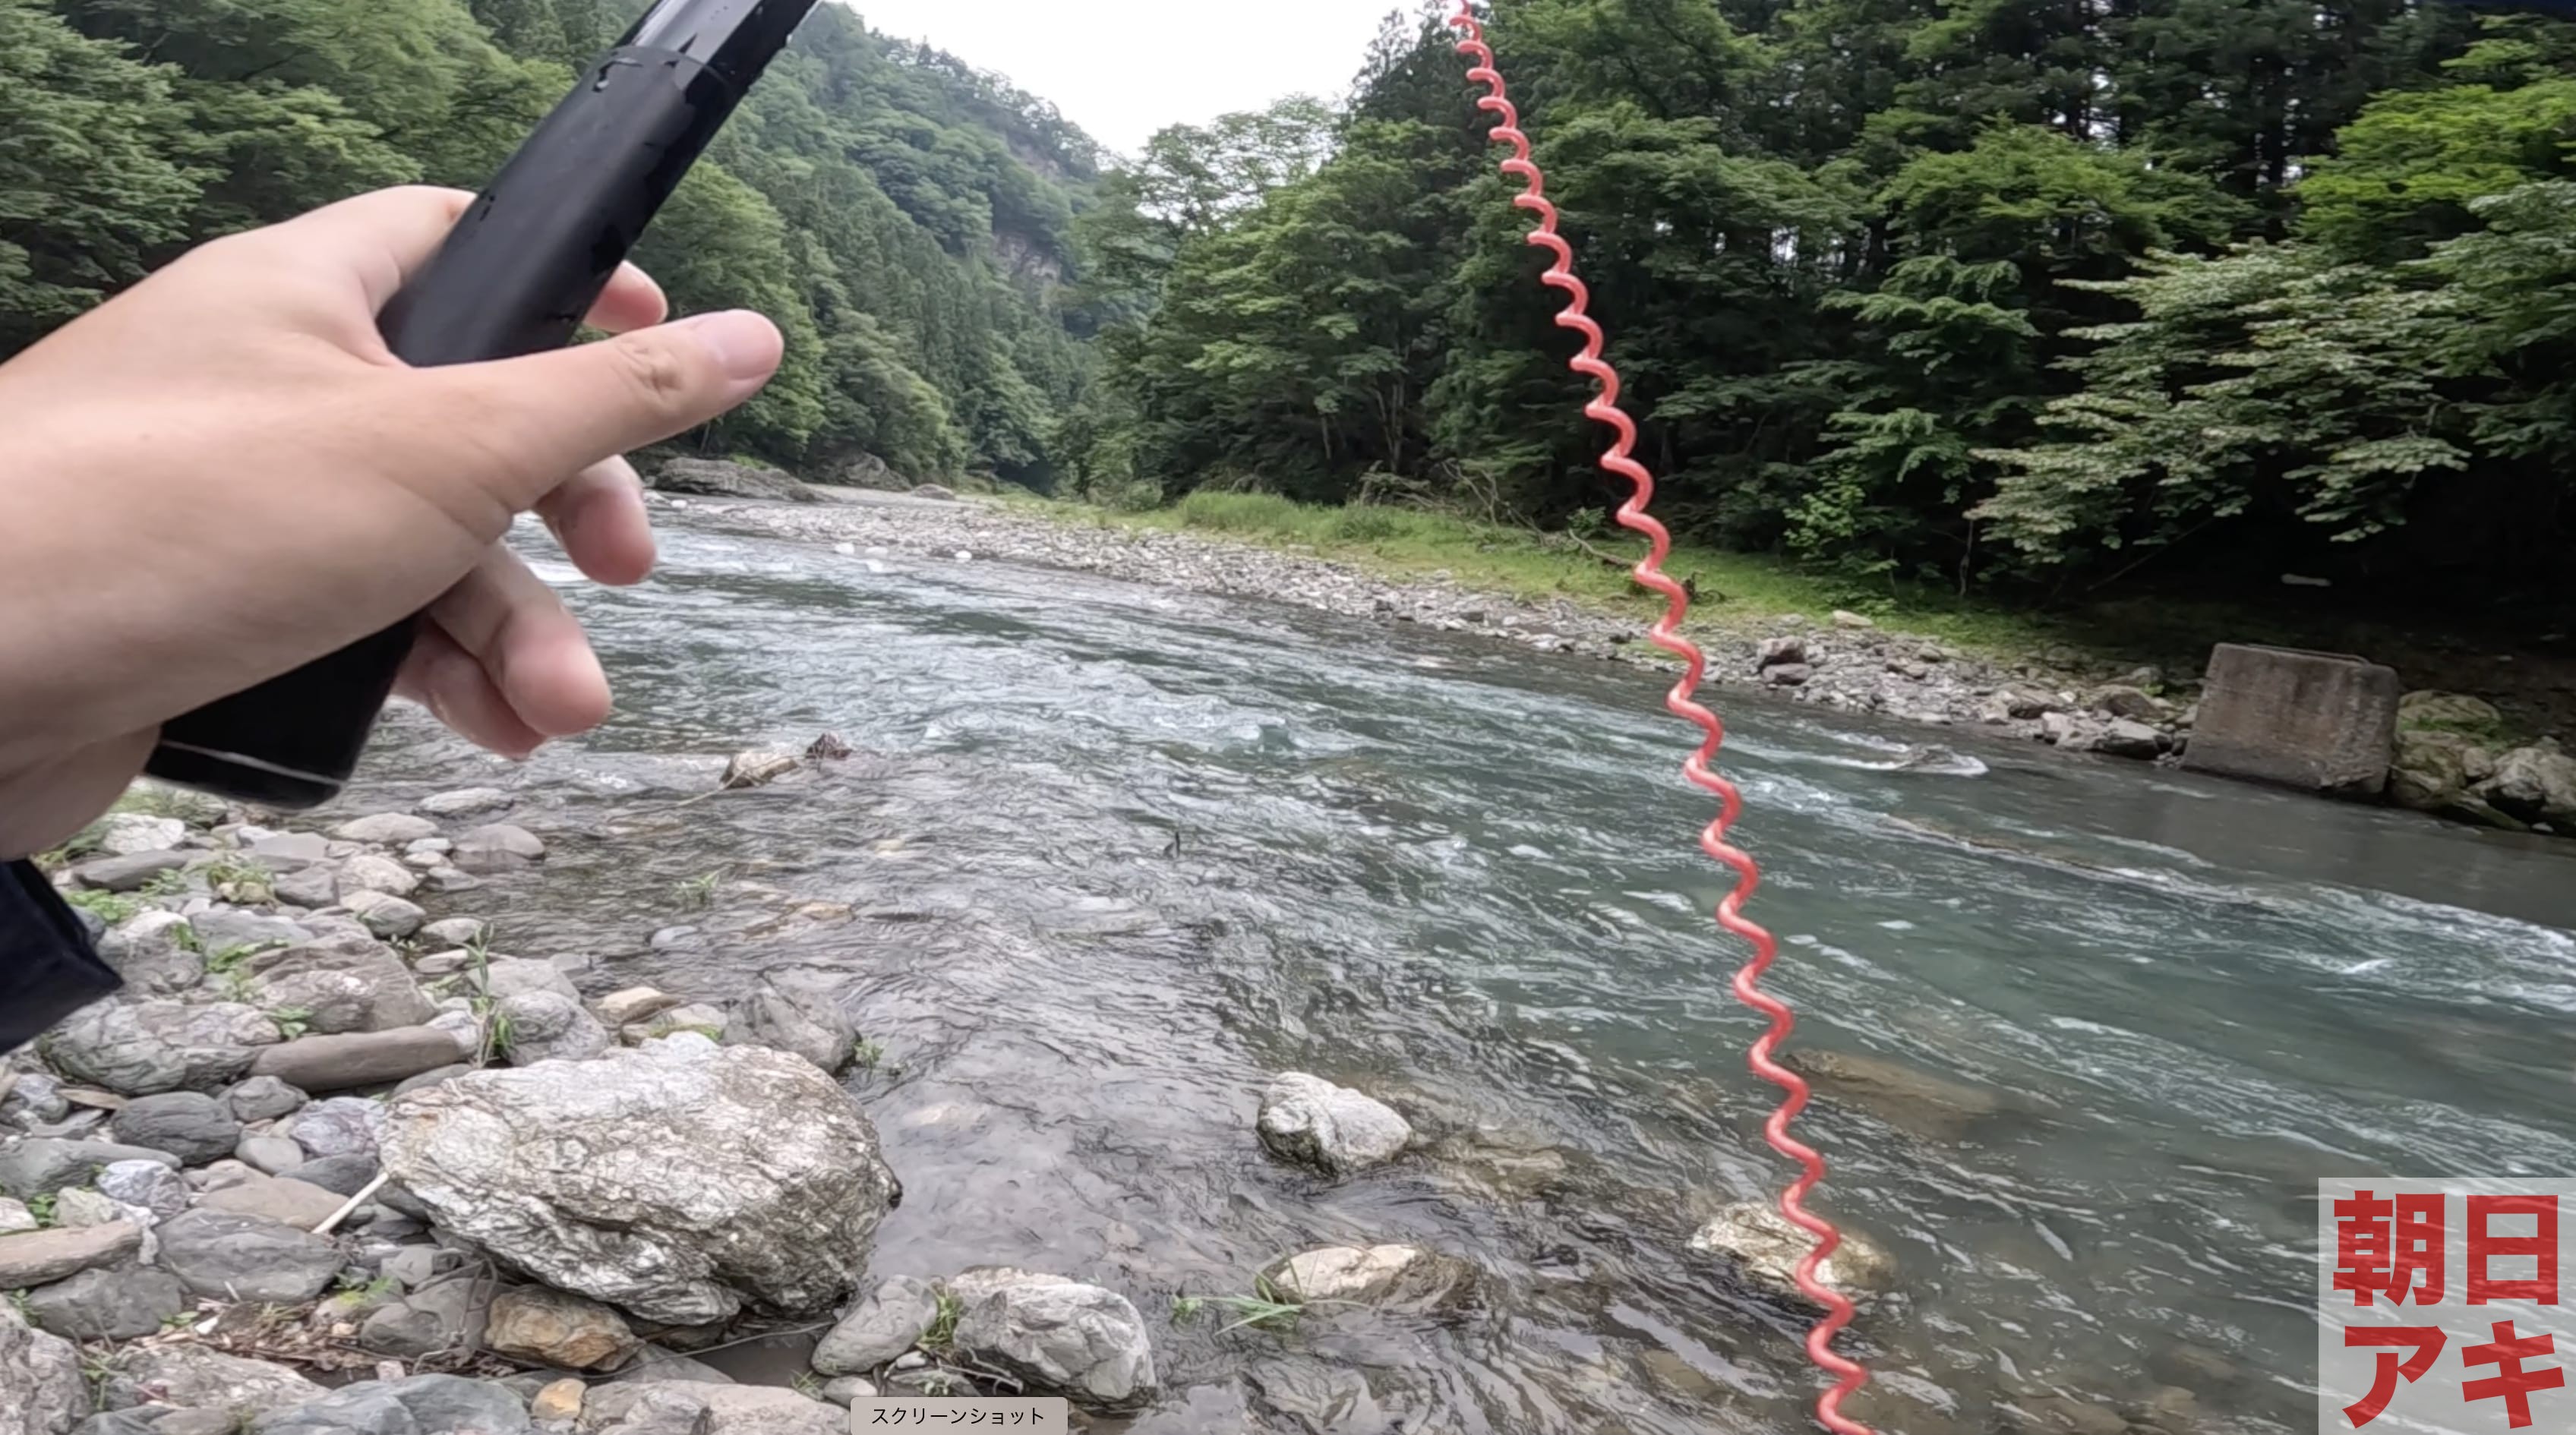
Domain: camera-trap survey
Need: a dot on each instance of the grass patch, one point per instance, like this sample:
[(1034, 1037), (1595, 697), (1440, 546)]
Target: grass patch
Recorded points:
[(41, 1206), (113, 908), (868, 1054), (942, 1334), (1735, 590), (697, 893)]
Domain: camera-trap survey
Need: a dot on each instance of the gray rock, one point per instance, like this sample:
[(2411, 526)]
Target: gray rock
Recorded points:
[(720, 478), (511, 976), (190, 1125), (123, 834), (270, 1155), (447, 1315), (632, 1004), (655, 1362), (2534, 784), (122, 1304), (150, 951), (2314, 721), (1064, 1337), (537, 1326), (498, 847), (1378, 1275), (1317, 1396), (547, 1026), (221, 929), (138, 1048), (346, 985), (417, 1405), (411, 1267), (384, 914), (42, 1388), (340, 1126), (1762, 1246), (343, 1175), (1905, 1097), (680, 1407), (286, 1201), (1310, 1120), (884, 1325), (457, 931), (194, 1422), (367, 872), (2123, 738), (43, 1165), (148, 1186), (2120, 700), (314, 886), (78, 1207), (848, 1390), (697, 1018), (465, 802), (265, 1098), (201, 1378), (386, 829), (714, 1176), (339, 1063), (15, 1217), (287, 851), (222, 1255), (1788, 675), (125, 874), (2449, 713), (36, 1258), (796, 1009), (33, 1096)]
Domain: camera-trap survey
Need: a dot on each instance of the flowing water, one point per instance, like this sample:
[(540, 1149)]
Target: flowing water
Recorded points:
[(1109, 856)]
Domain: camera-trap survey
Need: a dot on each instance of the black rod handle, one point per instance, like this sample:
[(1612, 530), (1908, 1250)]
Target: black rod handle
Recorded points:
[(515, 276)]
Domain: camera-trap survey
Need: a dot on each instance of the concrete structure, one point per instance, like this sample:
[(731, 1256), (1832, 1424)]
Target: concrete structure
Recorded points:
[(2319, 722)]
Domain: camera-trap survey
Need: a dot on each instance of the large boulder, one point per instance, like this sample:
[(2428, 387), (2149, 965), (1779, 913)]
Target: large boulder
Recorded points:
[(190, 1125), (1059, 1335), (2535, 784), (717, 478), (224, 1255), (42, 1389), (346, 984), (1385, 1275), (797, 1009), (678, 1180), (195, 1377), (138, 1048), (418, 1405), (688, 1407), (1310, 1120)]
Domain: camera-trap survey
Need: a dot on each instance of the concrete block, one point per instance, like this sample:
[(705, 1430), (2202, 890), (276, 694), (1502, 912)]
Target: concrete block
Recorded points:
[(2319, 722)]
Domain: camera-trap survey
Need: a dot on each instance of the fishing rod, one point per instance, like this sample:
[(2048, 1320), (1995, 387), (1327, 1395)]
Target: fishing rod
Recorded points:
[(515, 276)]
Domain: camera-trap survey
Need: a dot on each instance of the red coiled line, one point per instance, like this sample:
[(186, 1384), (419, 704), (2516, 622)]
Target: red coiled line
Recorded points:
[(1666, 634)]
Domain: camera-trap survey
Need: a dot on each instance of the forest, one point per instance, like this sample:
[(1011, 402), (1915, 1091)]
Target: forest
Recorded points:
[(903, 217), (2031, 298)]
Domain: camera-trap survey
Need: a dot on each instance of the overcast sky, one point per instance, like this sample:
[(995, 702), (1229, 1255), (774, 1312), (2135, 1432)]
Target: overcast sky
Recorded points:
[(1123, 69)]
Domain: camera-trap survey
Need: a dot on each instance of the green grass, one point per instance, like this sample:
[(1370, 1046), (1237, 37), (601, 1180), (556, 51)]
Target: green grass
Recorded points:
[(1735, 590), (697, 893), (868, 1054), (943, 1326), (113, 908)]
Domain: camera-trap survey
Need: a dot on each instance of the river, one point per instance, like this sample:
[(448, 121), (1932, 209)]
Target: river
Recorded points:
[(1113, 855)]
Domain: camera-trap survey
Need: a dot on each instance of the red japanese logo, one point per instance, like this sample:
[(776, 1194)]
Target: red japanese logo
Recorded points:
[(2440, 1306)]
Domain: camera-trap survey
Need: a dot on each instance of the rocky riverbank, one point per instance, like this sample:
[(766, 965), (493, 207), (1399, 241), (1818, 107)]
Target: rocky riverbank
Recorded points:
[(339, 1162), (2453, 758)]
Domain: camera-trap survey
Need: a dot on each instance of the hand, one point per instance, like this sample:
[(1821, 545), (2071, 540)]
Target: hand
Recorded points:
[(222, 474)]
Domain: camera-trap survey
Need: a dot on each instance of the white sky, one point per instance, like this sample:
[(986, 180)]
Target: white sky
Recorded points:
[(1123, 69)]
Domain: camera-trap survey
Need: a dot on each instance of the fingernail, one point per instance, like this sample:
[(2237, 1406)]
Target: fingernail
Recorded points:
[(744, 344)]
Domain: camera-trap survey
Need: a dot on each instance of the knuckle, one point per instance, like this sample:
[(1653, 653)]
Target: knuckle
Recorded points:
[(654, 372)]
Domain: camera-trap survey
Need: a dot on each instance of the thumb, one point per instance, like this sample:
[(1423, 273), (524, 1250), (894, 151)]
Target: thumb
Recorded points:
[(546, 417)]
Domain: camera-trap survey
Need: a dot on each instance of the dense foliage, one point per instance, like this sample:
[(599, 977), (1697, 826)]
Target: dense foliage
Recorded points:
[(1959, 291), (907, 220)]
